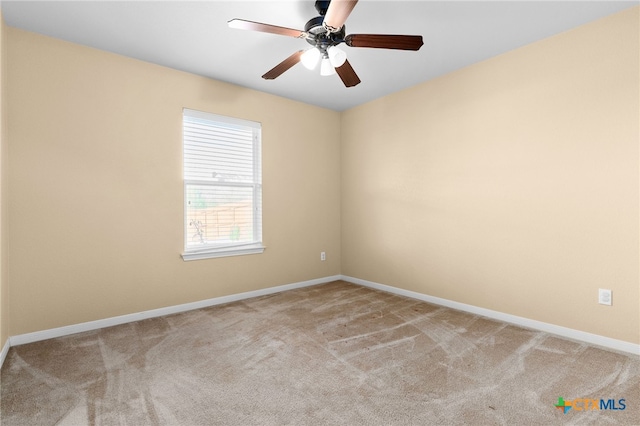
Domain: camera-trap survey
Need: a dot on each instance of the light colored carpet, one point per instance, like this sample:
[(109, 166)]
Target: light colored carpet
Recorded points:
[(335, 353)]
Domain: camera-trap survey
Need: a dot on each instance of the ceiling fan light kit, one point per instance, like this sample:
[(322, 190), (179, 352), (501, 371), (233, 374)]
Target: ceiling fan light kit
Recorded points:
[(310, 58), (333, 58), (326, 68), (337, 56), (325, 33)]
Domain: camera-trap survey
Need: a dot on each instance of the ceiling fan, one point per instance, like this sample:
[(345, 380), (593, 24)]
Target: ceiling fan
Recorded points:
[(325, 33)]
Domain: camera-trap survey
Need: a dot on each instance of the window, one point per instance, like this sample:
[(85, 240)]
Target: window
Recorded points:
[(222, 186)]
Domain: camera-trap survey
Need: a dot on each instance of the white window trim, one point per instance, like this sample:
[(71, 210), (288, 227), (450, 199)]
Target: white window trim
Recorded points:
[(223, 252), (235, 250)]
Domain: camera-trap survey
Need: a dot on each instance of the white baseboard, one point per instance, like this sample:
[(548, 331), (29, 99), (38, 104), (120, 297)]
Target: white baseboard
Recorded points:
[(594, 339), (22, 339), (5, 351), (582, 336)]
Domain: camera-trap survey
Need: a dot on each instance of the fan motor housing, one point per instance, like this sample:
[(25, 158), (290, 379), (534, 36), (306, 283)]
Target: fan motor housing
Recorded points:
[(321, 38)]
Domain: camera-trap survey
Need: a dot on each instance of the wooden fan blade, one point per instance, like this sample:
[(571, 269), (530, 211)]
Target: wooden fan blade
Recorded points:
[(283, 66), (348, 75), (241, 24), (385, 41), (337, 14)]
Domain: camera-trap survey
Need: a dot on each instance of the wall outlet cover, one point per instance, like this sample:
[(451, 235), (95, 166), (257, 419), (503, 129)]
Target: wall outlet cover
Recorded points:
[(604, 296)]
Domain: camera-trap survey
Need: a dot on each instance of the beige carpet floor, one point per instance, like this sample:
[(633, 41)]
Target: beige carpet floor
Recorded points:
[(336, 353)]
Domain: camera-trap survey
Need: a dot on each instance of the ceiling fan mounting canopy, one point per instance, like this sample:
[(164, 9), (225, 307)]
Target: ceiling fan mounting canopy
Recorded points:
[(326, 31), (322, 6)]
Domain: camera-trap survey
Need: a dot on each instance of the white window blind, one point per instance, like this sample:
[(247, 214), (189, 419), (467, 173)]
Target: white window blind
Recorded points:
[(222, 186)]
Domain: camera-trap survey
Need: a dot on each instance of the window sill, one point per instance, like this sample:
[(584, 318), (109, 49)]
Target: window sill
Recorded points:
[(223, 252)]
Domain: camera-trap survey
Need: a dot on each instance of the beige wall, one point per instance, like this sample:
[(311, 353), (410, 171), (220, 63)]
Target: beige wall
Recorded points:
[(96, 187), (510, 185), (4, 299)]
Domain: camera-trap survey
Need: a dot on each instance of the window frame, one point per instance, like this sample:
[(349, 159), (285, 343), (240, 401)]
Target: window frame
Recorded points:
[(227, 249)]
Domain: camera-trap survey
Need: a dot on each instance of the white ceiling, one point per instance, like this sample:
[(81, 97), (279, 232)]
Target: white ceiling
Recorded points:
[(194, 37)]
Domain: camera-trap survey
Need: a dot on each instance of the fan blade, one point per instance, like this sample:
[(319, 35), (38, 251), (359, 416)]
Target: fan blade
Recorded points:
[(348, 75), (337, 14), (276, 71), (241, 24), (385, 41)]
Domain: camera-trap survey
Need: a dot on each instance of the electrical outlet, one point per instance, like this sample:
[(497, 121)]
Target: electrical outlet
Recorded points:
[(323, 256), (604, 296)]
